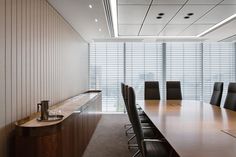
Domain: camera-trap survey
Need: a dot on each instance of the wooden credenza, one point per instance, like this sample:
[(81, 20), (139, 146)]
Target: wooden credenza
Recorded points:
[(66, 138)]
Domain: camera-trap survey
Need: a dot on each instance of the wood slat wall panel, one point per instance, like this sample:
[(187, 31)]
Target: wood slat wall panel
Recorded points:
[(14, 61), (19, 58), (2, 78), (41, 57)]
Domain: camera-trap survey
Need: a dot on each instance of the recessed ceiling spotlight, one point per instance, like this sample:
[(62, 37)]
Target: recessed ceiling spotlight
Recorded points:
[(158, 17), (99, 29), (90, 6), (161, 14), (190, 14), (186, 17), (96, 20)]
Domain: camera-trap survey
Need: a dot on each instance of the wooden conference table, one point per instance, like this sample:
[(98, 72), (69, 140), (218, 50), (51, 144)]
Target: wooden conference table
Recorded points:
[(193, 128)]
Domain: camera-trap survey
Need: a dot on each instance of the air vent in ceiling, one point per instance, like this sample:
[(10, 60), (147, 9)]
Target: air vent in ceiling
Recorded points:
[(107, 8)]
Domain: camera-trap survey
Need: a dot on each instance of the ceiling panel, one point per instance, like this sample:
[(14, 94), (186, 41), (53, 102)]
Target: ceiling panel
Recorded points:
[(85, 24), (172, 30), (198, 11), (223, 32), (134, 1), (169, 1), (218, 14), (168, 10), (151, 30), (131, 14), (229, 2), (129, 30), (204, 1), (194, 30)]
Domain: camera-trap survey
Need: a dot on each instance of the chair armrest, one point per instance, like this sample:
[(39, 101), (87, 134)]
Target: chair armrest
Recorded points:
[(153, 140), (147, 127), (145, 123)]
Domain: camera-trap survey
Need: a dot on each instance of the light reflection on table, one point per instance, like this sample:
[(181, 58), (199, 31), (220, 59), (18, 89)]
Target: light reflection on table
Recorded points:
[(193, 128)]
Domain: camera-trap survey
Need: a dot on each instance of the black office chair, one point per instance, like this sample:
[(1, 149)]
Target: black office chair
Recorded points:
[(149, 130), (124, 91), (217, 93), (173, 90), (230, 101), (147, 147), (144, 120), (125, 100), (151, 90)]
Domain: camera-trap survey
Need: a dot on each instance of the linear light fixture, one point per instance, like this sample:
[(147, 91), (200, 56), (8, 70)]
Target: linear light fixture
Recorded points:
[(160, 37), (113, 4), (217, 25)]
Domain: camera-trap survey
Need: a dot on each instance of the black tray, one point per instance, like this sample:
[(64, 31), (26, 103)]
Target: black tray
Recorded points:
[(51, 118)]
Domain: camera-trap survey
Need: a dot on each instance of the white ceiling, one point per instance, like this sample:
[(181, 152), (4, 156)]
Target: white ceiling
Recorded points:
[(82, 18), (137, 18)]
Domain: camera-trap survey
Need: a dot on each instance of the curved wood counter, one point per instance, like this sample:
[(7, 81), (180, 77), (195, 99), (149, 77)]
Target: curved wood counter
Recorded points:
[(65, 138)]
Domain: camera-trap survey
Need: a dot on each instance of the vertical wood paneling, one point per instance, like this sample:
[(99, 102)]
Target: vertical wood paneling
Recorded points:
[(13, 61), (40, 58), (32, 57), (18, 49), (41, 49), (8, 67), (2, 62), (28, 58), (2, 78), (23, 58), (36, 99)]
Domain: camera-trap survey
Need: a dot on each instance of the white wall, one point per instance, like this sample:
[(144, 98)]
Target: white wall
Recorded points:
[(41, 57)]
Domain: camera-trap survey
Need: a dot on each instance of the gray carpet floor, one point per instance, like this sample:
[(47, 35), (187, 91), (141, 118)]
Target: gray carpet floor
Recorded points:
[(109, 139)]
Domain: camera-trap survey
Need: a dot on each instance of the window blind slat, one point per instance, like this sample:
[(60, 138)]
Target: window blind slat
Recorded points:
[(106, 73), (143, 63), (184, 62), (218, 66)]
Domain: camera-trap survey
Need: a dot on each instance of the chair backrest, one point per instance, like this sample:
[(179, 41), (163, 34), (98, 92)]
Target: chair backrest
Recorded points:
[(217, 93), (173, 90), (124, 91), (230, 101), (151, 90), (135, 118)]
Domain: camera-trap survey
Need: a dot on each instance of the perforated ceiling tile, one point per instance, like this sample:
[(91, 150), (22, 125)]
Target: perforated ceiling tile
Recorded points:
[(168, 10), (218, 14), (129, 30), (134, 1), (194, 30), (151, 30), (197, 10), (131, 14)]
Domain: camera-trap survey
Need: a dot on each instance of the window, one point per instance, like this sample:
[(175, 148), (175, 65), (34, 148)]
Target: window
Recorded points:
[(107, 72), (183, 63), (143, 63), (196, 65), (219, 66)]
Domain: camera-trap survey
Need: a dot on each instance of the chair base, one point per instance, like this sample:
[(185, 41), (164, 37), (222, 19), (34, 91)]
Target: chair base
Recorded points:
[(131, 138), (132, 146), (136, 154)]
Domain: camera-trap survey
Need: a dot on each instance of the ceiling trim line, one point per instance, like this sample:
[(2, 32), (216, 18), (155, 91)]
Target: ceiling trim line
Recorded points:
[(202, 16), (172, 17), (145, 17)]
